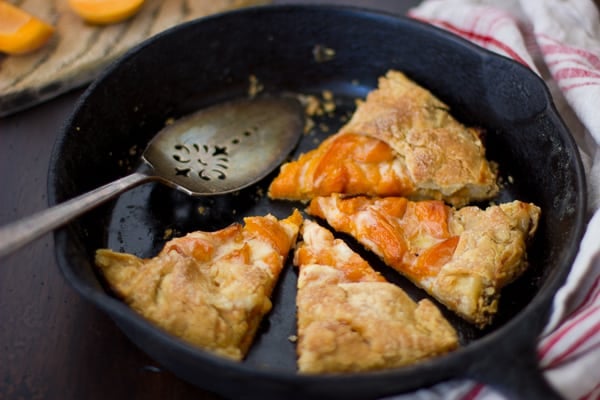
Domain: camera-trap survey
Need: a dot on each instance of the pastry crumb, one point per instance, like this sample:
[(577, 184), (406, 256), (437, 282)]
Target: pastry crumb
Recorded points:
[(323, 53), (312, 105), (309, 125), (255, 86), (133, 150)]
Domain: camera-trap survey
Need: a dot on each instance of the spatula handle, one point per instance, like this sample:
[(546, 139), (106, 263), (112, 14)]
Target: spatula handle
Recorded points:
[(19, 233)]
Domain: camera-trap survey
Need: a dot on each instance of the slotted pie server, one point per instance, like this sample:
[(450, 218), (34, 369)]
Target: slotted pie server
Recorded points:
[(216, 150)]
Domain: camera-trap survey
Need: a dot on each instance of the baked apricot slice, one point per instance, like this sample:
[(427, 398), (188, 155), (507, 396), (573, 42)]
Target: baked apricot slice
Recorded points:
[(21, 32), (103, 12)]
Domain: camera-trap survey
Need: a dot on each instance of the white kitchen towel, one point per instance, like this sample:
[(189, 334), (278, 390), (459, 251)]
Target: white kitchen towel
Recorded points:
[(560, 41)]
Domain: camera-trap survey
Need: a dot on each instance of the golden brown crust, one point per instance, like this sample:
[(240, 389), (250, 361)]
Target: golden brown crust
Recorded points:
[(209, 288), (491, 253), (401, 141), (444, 159), (351, 319), (463, 257)]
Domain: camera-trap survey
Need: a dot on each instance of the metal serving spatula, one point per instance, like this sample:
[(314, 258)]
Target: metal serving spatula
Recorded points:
[(216, 150)]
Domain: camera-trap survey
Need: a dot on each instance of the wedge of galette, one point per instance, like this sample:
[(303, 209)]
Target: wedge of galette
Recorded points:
[(401, 141), (209, 288), (351, 319), (463, 257)]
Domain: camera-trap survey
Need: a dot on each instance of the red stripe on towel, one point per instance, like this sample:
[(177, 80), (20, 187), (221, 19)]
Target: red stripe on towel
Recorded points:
[(557, 48), (593, 394), (593, 331), (573, 72), (563, 330), (473, 393), (485, 40)]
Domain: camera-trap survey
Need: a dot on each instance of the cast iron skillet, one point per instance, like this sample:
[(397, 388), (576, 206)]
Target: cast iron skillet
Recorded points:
[(210, 60)]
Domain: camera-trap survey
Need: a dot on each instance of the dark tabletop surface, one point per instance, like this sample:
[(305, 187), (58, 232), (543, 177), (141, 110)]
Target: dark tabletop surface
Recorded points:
[(55, 345)]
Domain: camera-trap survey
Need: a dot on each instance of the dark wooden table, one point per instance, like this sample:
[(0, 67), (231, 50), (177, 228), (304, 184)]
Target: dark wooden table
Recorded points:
[(54, 345)]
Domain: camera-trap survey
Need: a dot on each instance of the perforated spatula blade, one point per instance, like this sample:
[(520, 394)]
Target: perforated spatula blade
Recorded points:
[(226, 147)]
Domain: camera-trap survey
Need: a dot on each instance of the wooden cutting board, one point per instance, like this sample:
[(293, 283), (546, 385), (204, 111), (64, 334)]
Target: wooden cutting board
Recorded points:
[(78, 51)]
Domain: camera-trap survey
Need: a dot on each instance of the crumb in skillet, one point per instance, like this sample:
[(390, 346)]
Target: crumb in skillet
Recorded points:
[(317, 107), (323, 53), (260, 192), (133, 150), (312, 105), (255, 86), (328, 102), (309, 125)]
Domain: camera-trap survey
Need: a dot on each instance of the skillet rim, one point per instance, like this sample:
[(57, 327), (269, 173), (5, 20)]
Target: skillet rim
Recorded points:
[(540, 303)]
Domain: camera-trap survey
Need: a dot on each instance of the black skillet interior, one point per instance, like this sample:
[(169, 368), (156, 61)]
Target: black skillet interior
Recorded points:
[(285, 48)]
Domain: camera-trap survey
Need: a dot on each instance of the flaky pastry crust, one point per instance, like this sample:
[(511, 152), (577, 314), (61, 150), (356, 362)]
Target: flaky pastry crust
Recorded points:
[(401, 141), (461, 257), (351, 319), (444, 158), (209, 288)]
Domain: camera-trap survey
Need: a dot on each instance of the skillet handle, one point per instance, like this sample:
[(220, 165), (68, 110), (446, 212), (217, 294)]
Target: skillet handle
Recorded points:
[(513, 369), (17, 234)]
